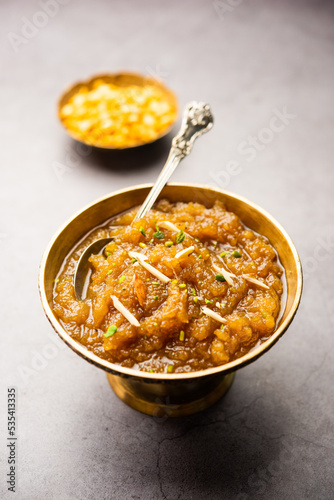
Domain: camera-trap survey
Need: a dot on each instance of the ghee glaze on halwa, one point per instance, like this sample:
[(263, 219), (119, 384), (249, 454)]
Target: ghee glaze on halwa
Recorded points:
[(184, 289)]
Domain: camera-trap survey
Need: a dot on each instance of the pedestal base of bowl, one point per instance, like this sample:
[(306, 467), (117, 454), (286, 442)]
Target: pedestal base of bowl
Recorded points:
[(174, 398)]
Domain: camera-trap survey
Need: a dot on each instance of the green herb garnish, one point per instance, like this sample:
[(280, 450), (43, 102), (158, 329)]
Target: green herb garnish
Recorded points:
[(158, 234), (220, 277), (180, 236), (142, 230), (111, 330)]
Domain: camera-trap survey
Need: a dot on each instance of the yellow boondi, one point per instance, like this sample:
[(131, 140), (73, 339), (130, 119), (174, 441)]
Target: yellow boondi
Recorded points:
[(118, 116)]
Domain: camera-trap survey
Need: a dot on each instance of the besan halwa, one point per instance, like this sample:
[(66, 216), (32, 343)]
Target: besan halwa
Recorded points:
[(184, 289)]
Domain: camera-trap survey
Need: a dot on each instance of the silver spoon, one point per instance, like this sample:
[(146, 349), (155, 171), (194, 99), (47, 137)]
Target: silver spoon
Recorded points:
[(197, 119)]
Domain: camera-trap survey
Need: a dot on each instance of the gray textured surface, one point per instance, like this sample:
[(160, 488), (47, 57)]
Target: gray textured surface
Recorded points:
[(272, 435)]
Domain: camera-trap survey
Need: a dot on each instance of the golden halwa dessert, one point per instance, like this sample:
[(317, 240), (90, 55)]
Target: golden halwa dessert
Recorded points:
[(108, 115), (184, 289)]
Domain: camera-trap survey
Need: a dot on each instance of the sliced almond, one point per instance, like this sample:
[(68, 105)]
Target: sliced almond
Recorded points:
[(142, 259), (227, 275), (138, 255), (166, 224), (255, 281), (184, 252), (214, 315), (140, 289), (123, 310)]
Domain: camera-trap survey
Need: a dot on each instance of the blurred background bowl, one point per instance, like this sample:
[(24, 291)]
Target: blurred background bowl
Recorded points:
[(179, 393), (120, 80)]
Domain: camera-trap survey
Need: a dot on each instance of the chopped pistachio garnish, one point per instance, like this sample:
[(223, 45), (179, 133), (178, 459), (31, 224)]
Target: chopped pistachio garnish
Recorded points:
[(142, 245), (235, 253), (223, 254), (123, 288), (169, 243), (200, 256), (220, 277), (155, 324), (180, 236), (151, 370), (156, 283), (207, 301), (195, 300), (158, 234), (183, 285), (113, 264), (156, 297), (111, 330), (174, 281), (170, 368), (57, 280), (145, 337), (181, 336), (133, 260), (193, 291), (122, 278), (110, 271), (108, 253), (142, 230)]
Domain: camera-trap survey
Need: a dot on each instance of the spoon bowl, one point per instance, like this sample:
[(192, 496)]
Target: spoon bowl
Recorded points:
[(170, 394)]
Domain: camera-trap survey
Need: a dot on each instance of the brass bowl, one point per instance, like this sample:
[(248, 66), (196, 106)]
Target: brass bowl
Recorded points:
[(175, 394), (123, 79)]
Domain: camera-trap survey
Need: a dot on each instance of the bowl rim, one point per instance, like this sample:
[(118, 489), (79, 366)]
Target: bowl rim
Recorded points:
[(88, 81), (151, 377)]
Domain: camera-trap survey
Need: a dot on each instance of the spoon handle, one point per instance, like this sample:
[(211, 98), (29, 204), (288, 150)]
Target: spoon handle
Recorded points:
[(197, 119)]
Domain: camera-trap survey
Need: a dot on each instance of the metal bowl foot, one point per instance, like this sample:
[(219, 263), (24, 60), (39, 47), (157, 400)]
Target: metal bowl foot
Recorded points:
[(171, 399)]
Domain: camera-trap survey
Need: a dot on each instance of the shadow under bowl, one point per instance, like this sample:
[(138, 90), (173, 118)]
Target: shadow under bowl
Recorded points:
[(170, 394)]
